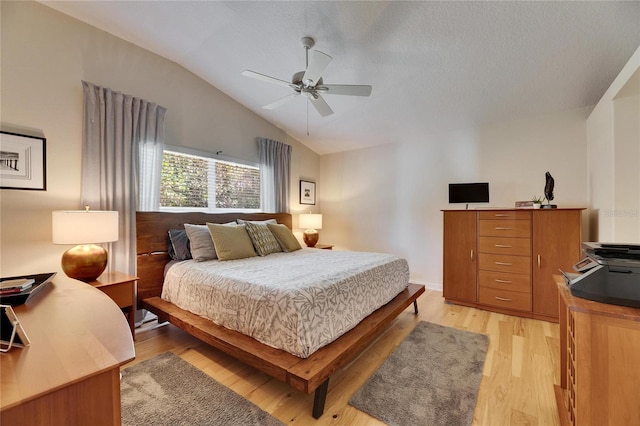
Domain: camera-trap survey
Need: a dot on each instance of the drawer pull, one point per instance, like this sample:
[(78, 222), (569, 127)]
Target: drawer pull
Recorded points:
[(502, 228), (502, 215), (503, 281), (503, 263), (504, 299), (502, 245)]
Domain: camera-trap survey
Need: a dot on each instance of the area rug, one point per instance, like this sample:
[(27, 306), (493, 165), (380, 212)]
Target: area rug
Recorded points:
[(167, 390), (432, 378)]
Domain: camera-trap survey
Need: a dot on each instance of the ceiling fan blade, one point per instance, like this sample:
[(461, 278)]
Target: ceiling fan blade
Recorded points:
[(258, 76), (321, 105), (345, 89), (317, 64), (281, 101)]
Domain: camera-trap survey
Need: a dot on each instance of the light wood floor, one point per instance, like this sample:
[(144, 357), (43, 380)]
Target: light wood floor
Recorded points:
[(521, 368)]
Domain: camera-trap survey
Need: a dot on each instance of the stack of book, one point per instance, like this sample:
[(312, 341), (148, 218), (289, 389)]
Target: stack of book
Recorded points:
[(524, 204), (13, 286)]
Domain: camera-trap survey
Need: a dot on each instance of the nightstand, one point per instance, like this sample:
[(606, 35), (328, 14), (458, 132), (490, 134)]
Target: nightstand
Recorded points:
[(324, 246), (121, 288)]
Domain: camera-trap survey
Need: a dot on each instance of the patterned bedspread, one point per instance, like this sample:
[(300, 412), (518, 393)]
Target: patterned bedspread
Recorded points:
[(298, 301)]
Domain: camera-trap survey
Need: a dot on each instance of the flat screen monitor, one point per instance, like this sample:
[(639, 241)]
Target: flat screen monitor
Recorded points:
[(466, 193)]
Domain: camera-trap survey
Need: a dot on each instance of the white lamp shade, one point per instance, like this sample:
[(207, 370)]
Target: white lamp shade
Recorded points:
[(84, 227), (310, 221)]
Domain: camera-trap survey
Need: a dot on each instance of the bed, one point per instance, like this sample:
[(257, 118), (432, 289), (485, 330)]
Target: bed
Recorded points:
[(310, 368)]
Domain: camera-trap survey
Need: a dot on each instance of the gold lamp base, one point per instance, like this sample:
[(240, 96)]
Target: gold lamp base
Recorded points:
[(310, 237), (84, 262)]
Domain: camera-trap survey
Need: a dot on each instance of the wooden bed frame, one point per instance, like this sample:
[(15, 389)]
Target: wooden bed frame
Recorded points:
[(307, 375)]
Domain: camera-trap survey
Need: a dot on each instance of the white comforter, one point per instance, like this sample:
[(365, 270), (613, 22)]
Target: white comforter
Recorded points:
[(298, 301)]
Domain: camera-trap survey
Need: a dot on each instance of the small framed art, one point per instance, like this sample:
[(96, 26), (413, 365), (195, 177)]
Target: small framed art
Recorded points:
[(307, 192), (23, 162)]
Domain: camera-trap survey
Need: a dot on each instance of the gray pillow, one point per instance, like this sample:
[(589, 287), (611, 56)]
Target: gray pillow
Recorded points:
[(201, 243), (231, 242), (262, 238), (178, 246)]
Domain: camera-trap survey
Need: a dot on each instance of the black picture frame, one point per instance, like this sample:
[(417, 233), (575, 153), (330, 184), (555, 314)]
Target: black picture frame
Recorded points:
[(23, 162), (307, 192)]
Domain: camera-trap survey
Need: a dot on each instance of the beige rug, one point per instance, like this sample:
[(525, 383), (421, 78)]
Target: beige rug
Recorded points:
[(166, 390), (432, 378)]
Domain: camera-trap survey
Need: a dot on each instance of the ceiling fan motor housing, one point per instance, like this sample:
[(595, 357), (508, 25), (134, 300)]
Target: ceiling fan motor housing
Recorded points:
[(297, 80)]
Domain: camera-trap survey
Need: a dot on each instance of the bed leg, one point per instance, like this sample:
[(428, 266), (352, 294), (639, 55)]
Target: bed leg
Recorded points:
[(319, 398), (415, 307)]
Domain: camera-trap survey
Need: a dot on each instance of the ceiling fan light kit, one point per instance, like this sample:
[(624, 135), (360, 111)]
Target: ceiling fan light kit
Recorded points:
[(310, 83)]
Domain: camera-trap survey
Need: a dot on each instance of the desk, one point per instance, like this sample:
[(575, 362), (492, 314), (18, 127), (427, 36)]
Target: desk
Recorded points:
[(599, 362), (70, 374)]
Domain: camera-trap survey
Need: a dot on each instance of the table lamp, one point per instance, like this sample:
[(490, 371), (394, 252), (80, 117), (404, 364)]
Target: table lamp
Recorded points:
[(86, 261), (311, 223)]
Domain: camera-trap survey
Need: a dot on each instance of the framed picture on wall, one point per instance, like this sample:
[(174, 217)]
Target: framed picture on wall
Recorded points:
[(22, 162), (307, 192)]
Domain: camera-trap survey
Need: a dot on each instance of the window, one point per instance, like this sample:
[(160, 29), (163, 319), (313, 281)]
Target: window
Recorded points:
[(195, 182)]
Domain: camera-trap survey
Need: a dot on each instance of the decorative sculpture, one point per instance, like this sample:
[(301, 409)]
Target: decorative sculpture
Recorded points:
[(548, 191)]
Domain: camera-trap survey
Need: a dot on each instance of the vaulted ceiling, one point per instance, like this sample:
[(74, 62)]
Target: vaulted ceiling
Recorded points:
[(434, 66)]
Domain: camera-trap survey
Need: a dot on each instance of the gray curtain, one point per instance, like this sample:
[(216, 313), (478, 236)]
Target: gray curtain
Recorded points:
[(116, 129), (275, 168)]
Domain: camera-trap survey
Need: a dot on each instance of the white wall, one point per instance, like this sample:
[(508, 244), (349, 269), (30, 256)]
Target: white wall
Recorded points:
[(45, 55), (389, 198), (613, 141)]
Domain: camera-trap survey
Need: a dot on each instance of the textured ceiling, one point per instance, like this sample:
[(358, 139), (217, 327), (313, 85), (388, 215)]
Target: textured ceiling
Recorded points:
[(434, 66)]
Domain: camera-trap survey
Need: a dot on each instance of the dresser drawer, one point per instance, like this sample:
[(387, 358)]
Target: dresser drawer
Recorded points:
[(504, 263), (504, 245), (505, 281), (505, 228), (504, 214), (514, 300)]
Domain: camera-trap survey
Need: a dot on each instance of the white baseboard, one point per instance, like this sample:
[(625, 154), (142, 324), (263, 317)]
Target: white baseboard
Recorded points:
[(428, 285)]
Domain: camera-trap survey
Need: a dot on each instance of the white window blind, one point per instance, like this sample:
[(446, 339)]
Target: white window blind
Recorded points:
[(197, 182)]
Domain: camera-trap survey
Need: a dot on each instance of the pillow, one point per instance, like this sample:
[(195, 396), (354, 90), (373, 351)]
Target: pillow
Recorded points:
[(285, 237), (231, 242), (241, 221), (179, 248), (263, 240), (201, 243)]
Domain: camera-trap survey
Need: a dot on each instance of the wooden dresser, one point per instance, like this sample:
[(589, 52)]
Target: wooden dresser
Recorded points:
[(70, 374), (503, 260), (599, 362)]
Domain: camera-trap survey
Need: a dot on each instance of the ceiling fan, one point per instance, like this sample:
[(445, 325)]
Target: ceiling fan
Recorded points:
[(309, 82)]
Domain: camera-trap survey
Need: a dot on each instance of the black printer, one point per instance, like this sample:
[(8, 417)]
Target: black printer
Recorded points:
[(609, 273)]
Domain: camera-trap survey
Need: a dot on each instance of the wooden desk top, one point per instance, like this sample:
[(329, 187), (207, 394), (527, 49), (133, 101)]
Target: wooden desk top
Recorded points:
[(592, 307), (490, 209), (76, 332)]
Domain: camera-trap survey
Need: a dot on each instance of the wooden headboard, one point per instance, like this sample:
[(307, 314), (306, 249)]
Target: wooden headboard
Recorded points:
[(152, 230)]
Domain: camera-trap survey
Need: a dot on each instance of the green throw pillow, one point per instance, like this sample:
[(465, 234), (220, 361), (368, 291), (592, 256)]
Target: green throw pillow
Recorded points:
[(285, 237), (231, 242)]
